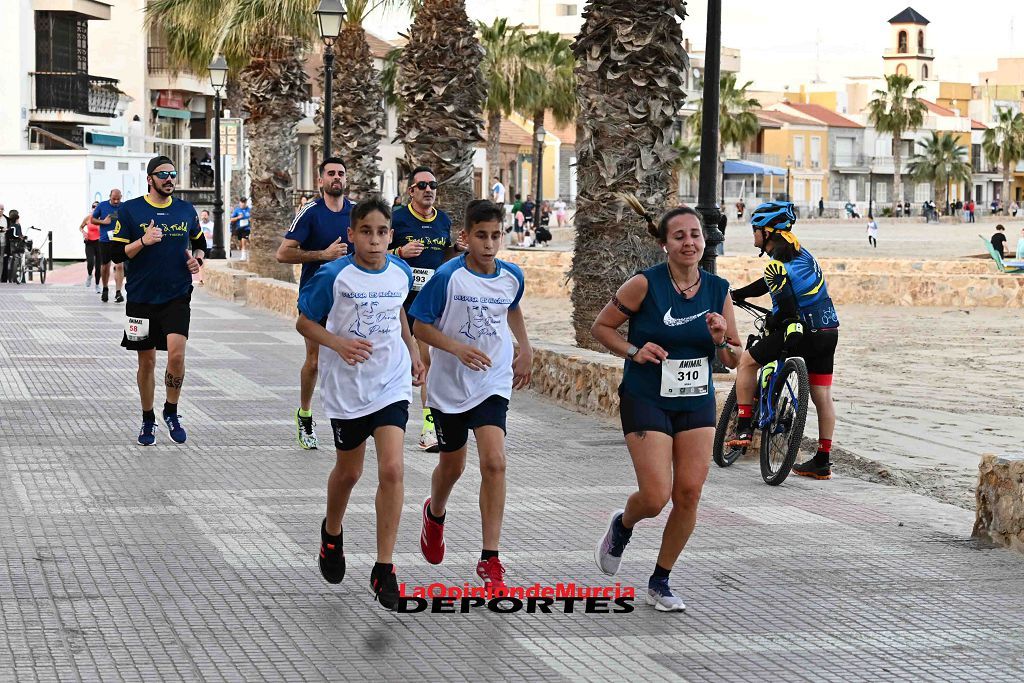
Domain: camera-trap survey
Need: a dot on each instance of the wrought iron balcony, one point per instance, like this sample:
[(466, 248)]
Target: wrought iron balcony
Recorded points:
[(77, 92), (156, 60)]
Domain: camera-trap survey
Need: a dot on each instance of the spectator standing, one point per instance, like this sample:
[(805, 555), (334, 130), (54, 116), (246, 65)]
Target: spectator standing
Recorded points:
[(1013, 208), (999, 240), (741, 207), (12, 230), (1020, 246), (207, 226), (560, 212), (498, 192)]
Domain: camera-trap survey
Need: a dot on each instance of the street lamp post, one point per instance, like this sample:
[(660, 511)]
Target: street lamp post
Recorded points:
[(789, 163), (539, 135), (871, 188), (218, 79), (329, 15), (707, 200)]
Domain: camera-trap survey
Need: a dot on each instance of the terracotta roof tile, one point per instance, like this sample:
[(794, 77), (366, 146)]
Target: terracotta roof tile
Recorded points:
[(825, 115), (937, 108), (976, 125), (512, 134), (566, 133), (786, 117)]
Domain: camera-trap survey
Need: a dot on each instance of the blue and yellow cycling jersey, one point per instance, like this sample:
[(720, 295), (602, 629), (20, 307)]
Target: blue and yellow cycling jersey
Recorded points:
[(802, 279)]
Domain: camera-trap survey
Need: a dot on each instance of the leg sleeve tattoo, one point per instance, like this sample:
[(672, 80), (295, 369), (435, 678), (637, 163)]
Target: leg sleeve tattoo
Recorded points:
[(172, 381)]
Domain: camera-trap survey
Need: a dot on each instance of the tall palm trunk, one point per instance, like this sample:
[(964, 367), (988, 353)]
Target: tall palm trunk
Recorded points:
[(358, 111), (897, 167), (1006, 182), (443, 90), (274, 85), (493, 145), (235, 102), (630, 56)]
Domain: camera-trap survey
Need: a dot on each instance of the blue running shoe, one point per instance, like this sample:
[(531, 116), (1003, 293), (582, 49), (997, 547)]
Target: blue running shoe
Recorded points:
[(175, 429), (147, 435), (661, 596), (611, 546)]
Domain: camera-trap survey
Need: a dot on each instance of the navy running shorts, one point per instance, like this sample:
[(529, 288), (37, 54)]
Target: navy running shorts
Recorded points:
[(351, 434), (170, 317), (453, 428), (638, 415)]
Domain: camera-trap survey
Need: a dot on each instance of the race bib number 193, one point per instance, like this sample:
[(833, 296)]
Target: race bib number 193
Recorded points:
[(685, 378), (420, 277), (136, 329)]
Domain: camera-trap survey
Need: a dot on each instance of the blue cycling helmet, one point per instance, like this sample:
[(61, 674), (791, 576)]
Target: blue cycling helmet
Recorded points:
[(775, 217)]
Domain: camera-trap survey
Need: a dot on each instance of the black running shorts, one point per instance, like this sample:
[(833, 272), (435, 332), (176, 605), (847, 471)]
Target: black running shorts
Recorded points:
[(453, 428), (816, 347), (640, 415), (351, 434), (171, 317), (107, 250)]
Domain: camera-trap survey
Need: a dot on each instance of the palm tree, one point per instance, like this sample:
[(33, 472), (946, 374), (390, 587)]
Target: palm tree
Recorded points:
[(549, 85), (940, 160), (737, 122), (896, 112), (687, 164), (629, 59), (265, 43), (1004, 144), (440, 82), (503, 70), (358, 119)]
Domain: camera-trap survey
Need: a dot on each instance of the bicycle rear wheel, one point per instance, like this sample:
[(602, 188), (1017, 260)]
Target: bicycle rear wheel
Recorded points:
[(724, 455), (42, 270), (780, 439)]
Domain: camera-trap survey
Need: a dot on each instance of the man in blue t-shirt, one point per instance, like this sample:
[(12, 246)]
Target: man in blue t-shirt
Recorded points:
[(318, 235), (105, 216), (240, 226), (160, 240), (422, 238)]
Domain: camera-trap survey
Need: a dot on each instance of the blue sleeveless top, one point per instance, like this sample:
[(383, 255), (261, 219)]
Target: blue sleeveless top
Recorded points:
[(676, 325)]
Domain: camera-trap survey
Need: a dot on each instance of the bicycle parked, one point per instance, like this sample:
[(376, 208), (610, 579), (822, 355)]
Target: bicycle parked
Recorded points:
[(779, 410)]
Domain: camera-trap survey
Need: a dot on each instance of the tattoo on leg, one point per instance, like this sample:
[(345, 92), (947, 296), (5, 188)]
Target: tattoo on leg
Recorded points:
[(172, 382)]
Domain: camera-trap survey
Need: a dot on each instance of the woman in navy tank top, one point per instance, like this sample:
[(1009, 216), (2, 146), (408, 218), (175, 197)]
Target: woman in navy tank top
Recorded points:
[(680, 318)]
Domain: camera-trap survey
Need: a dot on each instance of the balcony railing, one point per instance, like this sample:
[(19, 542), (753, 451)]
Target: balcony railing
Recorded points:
[(849, 160), (156, 60), (77, 92)]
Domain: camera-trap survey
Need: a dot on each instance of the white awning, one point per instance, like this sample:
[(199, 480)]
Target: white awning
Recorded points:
[(88, 8)]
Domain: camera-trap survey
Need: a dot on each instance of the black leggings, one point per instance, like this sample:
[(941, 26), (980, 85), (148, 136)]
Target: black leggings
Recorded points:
[(92, 258)]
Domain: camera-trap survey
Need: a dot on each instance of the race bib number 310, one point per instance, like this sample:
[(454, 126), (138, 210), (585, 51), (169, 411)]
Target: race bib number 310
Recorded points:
[(136, 329), (685, 378), (420, 277)]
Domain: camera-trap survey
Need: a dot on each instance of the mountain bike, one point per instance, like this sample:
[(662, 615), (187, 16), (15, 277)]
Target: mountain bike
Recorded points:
[(779, 411)]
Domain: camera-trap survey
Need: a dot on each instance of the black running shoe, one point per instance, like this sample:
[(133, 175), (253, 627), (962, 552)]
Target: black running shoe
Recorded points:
[(332, 555), (118, 298), (385, 588), (813, 469), (105, 296)]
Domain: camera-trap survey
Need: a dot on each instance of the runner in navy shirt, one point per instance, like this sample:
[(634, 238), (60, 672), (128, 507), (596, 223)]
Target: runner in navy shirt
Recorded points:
[(105, 216), (318, 235), (423, 239), (160, 239)]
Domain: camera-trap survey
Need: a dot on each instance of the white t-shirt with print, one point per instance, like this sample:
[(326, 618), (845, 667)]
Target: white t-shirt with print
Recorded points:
[(473, 309), (361, 304)]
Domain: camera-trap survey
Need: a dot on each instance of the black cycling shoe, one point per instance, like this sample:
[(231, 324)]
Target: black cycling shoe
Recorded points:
[(385, 587), (814, 470), (741, 440), (332, 555)]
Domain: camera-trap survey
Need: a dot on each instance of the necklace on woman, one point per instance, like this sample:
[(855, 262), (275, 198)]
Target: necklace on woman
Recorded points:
[(682, 292)]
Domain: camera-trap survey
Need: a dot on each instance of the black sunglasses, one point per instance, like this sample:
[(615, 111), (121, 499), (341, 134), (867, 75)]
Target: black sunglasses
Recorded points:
[(164, 175), (424, 184)]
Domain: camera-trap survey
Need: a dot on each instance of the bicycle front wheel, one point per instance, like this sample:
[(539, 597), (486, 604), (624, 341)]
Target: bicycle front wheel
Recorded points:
[(780, 439), (725, 455), (42, 270)]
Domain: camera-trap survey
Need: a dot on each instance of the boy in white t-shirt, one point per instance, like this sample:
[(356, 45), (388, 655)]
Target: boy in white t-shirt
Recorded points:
[(368, 365), (468, 313), (873, 232)]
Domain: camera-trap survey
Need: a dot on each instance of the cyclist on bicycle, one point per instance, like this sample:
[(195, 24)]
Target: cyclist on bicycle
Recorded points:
[(803, 322)]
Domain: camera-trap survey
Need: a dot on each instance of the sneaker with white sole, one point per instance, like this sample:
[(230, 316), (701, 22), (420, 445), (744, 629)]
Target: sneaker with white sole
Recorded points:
[(608, 554), (306, 434), (661, 597), (428, 441)]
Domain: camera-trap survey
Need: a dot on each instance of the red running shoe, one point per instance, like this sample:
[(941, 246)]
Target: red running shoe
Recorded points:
[(493, 574), (431, 538)]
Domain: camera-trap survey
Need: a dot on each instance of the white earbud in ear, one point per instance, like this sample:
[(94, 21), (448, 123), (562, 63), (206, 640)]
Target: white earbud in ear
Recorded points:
[(664, 248)]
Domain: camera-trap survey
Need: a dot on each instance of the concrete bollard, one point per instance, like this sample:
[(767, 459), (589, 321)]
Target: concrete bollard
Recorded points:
[(1000, 499)]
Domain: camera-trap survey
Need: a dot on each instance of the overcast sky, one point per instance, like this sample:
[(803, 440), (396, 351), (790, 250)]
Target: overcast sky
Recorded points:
[(780, 42)]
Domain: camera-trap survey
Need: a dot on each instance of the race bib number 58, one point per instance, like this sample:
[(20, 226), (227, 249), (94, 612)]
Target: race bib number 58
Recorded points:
[(136, 329), (685, 378)]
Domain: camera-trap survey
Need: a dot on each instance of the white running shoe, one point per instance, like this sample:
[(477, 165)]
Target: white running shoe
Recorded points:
[(98, 288), (305, 433), (661, 597), (428, 441)]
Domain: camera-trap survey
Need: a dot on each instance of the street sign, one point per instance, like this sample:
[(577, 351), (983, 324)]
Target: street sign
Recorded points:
[(232, 140)]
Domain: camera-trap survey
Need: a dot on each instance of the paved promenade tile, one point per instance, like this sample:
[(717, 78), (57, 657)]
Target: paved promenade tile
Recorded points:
[(197, 562)]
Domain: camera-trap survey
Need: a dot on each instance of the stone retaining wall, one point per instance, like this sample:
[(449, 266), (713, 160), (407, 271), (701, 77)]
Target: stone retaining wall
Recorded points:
[(1000, 498), (901, 282)]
